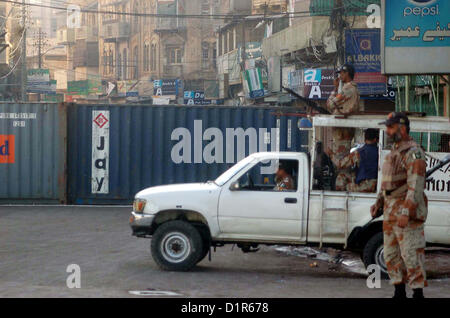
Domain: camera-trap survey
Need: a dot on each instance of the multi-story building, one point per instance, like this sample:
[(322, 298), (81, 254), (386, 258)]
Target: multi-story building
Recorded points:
[(114, 41), (144, 48), (4, 67), (79, 35), (239, 41), (316, 39), (86, 44)]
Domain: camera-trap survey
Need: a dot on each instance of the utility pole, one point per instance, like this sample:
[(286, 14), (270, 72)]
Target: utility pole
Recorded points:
[(341, 29), (39, 55), (39, 48), (24, 56), (40, 43)]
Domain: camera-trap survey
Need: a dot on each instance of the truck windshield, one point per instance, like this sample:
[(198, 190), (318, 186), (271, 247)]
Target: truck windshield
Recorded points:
[(227, 175)]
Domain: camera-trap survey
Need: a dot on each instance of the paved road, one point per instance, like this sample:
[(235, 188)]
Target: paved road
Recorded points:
[(38, 243)]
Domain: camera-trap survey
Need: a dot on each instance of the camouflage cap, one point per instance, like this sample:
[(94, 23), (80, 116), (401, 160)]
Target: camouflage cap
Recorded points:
[(396, 118)]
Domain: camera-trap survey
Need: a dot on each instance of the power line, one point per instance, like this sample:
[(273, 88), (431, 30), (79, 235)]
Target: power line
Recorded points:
[(12, 69), (186, 16)]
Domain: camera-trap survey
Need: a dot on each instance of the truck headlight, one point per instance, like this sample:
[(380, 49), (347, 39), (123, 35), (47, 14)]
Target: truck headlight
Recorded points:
[(139, 205)]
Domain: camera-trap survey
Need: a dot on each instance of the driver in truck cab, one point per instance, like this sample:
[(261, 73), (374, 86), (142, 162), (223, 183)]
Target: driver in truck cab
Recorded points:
[(283, 178), (366, 161)]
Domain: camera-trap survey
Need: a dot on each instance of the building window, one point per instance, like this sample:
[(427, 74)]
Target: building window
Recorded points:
[(225, 43), (135, 63), (111, 61), (119, 66), (125, 64), (146, 57), (136, 18), (205, 55), (205, 7), (230, 41), (175, 56), (153, 57), (105, 60)]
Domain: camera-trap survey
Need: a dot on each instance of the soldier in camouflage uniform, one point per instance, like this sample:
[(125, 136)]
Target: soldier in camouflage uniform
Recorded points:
[(366, 161), (283, 178), (405, 209), (343, 101)]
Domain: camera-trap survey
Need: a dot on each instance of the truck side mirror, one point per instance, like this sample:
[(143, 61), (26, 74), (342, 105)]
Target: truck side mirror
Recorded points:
[(235, 186)]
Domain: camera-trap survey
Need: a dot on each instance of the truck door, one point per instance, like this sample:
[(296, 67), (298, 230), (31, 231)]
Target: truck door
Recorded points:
[(251, 205)]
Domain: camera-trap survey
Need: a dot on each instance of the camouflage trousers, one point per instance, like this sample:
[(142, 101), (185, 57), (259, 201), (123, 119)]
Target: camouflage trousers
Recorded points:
[(341, 146), (345, 181), (404, 254), (368, 186)]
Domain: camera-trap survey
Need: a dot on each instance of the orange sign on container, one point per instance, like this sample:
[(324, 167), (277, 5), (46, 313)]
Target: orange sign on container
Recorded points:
[(7, 144)]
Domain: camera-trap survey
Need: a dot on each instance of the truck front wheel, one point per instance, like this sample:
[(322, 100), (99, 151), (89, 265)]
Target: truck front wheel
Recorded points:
[(176, 246), (374, 254)]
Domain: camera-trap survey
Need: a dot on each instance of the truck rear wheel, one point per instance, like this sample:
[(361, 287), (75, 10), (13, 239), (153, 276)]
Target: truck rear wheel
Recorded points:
[(373, 253), (176, 246)]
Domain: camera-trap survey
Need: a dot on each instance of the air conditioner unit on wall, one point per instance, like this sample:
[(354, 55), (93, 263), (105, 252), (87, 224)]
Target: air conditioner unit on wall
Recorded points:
[(329, 43)]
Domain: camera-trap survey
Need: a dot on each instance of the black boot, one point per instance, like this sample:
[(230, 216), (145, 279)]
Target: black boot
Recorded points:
[(418, 293), (400, 291)]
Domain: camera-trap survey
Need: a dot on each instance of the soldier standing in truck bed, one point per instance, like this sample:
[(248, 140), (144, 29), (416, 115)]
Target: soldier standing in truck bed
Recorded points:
[(366, 161), (405, 208), (343, 101)]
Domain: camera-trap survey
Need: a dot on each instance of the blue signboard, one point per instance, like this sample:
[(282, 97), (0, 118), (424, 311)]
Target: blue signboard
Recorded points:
[(363, 50), (194, 95), (417, 23), (313, 76), (192, 101), (416, 36), (166, 87)]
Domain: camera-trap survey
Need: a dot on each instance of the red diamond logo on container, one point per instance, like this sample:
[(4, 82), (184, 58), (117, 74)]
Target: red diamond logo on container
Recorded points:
[(101, 121)]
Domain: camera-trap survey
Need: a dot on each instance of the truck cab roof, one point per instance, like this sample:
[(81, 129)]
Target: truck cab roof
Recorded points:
[(417, 124), (276, 155)]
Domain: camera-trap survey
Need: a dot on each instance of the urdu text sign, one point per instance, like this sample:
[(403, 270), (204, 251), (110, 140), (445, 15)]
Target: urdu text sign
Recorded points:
[(416, 36)]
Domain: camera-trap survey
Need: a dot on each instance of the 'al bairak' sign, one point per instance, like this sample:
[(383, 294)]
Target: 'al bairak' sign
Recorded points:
[(415, 36)]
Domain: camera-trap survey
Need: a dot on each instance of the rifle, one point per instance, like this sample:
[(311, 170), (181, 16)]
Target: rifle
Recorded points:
[(429, 173), (441, 164), (308, 102)]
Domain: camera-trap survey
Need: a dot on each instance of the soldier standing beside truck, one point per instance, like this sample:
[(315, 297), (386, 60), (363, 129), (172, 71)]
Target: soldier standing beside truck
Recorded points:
[(343, 101), (405, 208)]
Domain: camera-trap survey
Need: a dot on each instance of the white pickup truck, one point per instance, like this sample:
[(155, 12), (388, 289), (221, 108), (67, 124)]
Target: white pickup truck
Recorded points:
[(242, 206)]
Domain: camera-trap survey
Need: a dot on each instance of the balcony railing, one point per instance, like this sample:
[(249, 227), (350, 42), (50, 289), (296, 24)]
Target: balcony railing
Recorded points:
[(170, 24), (87, 33), (272, 6), (238, 6), (65, 36), (115, 31), (173, 71), (86, 54)]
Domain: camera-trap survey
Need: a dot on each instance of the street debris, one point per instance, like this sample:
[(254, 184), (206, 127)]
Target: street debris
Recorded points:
[(335, 258)]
